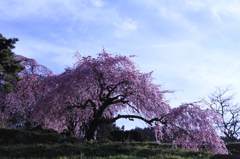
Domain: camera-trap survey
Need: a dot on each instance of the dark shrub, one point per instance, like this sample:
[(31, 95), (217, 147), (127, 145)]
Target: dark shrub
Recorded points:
[(226, 157), (39, 136), (234, 148)]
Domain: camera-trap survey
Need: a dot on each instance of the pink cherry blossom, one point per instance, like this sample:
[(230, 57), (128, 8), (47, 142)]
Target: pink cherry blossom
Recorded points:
[(97, 90)]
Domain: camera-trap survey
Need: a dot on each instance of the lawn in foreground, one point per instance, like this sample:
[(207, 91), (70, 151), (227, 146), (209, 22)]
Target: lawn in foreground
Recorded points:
[(100, 151), (43, 144)]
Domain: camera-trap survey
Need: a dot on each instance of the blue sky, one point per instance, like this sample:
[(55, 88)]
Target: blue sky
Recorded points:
[(191, 45)]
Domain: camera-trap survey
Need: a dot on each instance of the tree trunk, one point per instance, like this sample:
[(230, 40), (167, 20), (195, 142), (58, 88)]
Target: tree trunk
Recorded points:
[(93, 125), (90, 132)]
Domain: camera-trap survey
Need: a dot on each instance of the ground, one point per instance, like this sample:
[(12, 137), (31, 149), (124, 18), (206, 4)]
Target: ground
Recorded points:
[(49, 144)]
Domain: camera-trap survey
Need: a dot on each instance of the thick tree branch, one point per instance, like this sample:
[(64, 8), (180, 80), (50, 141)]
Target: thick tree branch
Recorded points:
[(131, 117), (87, 103)]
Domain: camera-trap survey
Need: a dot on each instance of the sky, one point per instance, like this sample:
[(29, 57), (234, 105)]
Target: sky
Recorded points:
[(192, 46)]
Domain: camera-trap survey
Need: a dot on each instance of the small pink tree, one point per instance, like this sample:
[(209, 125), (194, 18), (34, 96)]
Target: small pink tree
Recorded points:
[(190, 127), (20, 103)]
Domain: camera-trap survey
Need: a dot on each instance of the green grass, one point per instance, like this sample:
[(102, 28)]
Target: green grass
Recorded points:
[(99, 150), (45, 144)]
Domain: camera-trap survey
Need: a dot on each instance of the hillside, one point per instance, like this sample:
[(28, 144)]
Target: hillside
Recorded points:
[(49, 144)]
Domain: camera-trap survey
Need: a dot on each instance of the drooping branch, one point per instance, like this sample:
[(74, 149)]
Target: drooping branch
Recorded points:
[(131, 117)]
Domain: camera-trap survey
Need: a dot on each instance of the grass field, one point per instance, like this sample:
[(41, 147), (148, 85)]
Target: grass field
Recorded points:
[(100, 150), (45, 144)]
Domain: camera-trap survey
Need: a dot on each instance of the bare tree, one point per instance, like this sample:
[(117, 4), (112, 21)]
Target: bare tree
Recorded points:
[(221, 101)]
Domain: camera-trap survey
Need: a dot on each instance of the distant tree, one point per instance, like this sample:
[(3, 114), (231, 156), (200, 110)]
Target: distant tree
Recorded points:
[(9, 66), (135, 135), (110, 132), (147, 134), (222, 102)]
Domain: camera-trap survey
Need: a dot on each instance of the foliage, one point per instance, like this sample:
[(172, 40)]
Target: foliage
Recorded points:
[(9, 69), (110, 132), (105, 132), (234, 147), (137, 135), (9, 66)]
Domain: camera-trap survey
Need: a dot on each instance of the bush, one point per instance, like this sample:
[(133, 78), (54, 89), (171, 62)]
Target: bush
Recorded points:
[(234, 148), (20, 136), (225, 157)]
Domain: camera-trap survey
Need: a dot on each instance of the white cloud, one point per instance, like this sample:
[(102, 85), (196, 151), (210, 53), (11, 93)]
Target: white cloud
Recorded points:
[(219, 9), (125, 27), (49, 54), (98, 3), (77, 10), (189, 68)]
